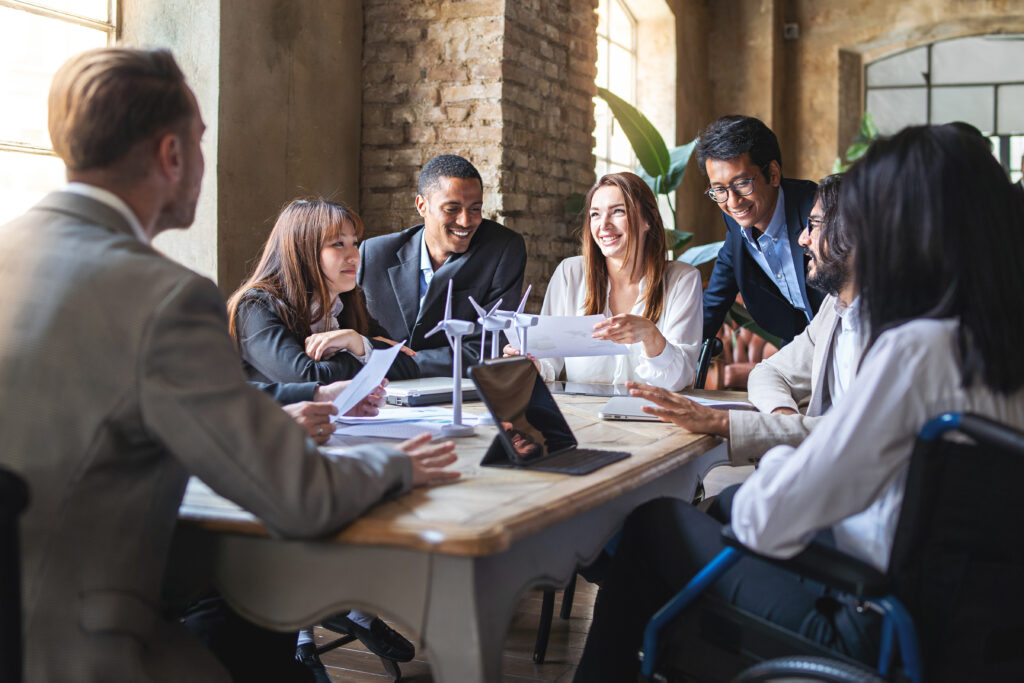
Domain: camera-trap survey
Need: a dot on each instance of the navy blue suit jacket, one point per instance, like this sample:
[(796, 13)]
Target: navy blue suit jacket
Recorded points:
[(737, 271), (490, 269)]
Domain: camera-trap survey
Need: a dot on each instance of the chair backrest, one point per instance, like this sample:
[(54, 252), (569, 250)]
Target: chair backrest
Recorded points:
[(13, 499), (958, 555), (711, 347)]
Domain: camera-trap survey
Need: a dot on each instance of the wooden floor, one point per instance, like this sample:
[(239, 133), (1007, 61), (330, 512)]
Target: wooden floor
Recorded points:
[(354, 663)]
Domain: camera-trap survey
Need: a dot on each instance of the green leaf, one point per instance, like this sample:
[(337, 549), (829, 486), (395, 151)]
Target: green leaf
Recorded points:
[(681, 239), (868, 130), (678, 159), (647, 143), (838, 166), (575, 203), (701, 253), (857, 150), (742, 318)]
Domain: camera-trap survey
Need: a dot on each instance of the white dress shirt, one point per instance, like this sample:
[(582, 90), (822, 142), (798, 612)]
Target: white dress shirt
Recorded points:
[(113, 201), (846, 352), (849, 473), (681, 323)]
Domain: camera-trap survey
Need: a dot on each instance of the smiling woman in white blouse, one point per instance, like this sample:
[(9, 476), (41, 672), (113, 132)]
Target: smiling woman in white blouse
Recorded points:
[(651, 305)]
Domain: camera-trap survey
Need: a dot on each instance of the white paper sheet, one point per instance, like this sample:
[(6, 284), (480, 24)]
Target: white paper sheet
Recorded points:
[(564, 336), (370, 376)]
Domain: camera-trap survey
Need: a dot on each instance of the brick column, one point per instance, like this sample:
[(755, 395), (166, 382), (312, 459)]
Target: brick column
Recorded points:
[(508, 84)]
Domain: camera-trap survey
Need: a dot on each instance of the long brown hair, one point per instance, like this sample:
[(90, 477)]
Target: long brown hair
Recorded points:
[(646, 255), (289, 268)]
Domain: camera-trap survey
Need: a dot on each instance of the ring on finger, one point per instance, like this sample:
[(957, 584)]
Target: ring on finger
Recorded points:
[(320, 430)]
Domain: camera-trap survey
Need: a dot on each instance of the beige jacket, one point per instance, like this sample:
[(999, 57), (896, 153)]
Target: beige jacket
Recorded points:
[(795, 377), (118, 380)]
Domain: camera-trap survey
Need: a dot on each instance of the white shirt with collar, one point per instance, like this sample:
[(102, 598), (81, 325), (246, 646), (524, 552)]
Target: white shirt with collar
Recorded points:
[(426, 267), (846, 349), (113, 201)]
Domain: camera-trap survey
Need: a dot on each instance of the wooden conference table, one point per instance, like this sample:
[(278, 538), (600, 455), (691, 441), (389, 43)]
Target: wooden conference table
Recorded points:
[(449, 563)]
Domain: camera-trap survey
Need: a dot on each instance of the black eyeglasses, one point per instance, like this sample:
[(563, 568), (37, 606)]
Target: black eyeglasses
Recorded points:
[(742, 188), (813, 224)]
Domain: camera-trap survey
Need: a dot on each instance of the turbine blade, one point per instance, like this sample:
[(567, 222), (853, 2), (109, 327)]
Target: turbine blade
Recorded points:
[(448, 303), (494, 308), (522, 303), (479, 309), (437, 328)]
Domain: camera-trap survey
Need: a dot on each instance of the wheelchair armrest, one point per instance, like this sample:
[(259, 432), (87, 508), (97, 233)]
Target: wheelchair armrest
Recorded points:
[(826, 565)]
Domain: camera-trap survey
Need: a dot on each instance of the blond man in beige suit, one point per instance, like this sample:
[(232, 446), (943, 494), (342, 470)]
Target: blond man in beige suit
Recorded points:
[(119, 380), (794, 387)]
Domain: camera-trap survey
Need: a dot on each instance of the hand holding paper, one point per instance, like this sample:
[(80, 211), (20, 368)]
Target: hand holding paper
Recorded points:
[(562, 336), (367, 379)]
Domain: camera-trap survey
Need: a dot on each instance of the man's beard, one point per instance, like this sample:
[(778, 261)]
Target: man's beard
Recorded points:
[(828, 279)]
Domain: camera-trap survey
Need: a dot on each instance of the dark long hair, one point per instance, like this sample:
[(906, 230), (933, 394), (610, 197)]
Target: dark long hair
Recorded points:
[(835, 238), (939, 233), (289, 268), (641, 207)]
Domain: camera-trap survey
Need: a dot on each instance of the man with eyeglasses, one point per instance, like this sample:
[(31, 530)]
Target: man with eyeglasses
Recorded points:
[(764, 214), (794, 387)]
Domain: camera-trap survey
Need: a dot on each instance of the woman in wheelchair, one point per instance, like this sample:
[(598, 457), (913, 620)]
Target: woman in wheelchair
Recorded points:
[(939, 245)]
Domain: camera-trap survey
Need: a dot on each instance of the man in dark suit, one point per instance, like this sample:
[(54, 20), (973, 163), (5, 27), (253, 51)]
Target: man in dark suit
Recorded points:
[(764, 214), (405, 275)]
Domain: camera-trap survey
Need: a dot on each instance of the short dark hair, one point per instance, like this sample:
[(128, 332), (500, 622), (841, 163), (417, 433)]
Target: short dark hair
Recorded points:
[(733, 136), (103, 102), (445, 166), (939, 233), (836, 242)]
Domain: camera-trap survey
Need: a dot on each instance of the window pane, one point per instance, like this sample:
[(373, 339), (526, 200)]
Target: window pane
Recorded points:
[(1011, 109), (619, 24), (896, 109), (31, 49), (24, 179), (973, 105), (93, 9), (1016, 156), (602, 63), (622, 151), (602, 17), (620, 76), (601, 116), (906, 68), (979, 59)]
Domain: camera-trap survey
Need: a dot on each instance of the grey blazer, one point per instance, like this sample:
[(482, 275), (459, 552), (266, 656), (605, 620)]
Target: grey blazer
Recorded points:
[(795, 377), (119, 380)]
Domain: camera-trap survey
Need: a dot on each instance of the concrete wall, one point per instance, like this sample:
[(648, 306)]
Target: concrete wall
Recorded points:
[(278, 83)]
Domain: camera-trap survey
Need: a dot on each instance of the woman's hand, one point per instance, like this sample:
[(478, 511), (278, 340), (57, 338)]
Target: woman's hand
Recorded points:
[(323, 345), (627, 328), (510, 352), (429, 460), (405, 349), (681, 411)]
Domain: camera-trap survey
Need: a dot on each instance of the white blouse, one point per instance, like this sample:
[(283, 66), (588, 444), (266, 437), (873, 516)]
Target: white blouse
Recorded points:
[(850, 473), (681, 323)]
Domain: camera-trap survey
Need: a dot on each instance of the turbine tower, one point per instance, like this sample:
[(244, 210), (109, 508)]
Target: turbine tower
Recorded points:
[(454, 329)]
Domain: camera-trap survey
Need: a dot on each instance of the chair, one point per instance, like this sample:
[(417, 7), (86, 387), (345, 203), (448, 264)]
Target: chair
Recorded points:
[(13, 499), (741, 351), (956, 570), (711, 348)]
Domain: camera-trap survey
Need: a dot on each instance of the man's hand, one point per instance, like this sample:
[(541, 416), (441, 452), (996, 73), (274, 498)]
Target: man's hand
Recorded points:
[(682, 411), (368, 407), (315, 418), (429, 460)]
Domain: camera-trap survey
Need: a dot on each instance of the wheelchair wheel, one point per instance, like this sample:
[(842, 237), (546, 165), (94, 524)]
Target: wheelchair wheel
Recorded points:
[(807, 669)]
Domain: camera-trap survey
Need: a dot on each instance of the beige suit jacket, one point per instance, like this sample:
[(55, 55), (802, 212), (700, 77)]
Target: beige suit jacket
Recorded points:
[(119, 380), (795, 377)]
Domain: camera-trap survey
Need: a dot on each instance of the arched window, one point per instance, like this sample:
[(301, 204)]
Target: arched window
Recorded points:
[(35, 39), (978, 79), (616, 71)]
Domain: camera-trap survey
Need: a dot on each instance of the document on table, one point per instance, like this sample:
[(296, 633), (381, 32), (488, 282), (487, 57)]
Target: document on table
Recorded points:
[(563, 336), (371, 375), (400, 423)]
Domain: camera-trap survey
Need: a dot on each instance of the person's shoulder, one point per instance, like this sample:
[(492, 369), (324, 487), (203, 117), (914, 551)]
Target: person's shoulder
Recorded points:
[(390, 241), (800, 190), (571, 268), (495, 233), (679, 269), (917, 346)]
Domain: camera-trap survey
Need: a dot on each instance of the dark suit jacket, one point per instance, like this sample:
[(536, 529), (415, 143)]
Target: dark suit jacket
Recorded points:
[(271, 352), (288, 392), (491, 269), (736, 271)]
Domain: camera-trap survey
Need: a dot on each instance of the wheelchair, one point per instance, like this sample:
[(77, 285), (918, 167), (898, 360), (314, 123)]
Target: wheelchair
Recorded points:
[(952, 599)]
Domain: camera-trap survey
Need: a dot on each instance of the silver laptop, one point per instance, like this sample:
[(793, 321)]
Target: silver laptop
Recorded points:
[(427, 391)]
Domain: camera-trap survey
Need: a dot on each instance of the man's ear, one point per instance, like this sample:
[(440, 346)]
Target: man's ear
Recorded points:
[(774, 173), (421, 205), (170, 160)]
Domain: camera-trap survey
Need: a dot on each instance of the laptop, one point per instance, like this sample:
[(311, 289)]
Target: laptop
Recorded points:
[(631, 407), (427, 391), (532, 432), (588, 389)]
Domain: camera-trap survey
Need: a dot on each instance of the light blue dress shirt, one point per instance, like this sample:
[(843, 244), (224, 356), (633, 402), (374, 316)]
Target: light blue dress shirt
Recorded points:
[(774, 254)]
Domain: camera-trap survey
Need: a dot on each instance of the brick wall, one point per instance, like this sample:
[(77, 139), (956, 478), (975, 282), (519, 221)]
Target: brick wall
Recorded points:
[(508, 84)]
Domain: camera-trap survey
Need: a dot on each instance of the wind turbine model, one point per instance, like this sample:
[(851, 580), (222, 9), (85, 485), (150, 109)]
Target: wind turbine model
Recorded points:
[(489, 322), (521, 320), (455, 330)]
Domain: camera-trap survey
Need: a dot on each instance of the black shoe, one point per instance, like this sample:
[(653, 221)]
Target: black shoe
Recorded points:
[(380, 639), (306, 655)]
